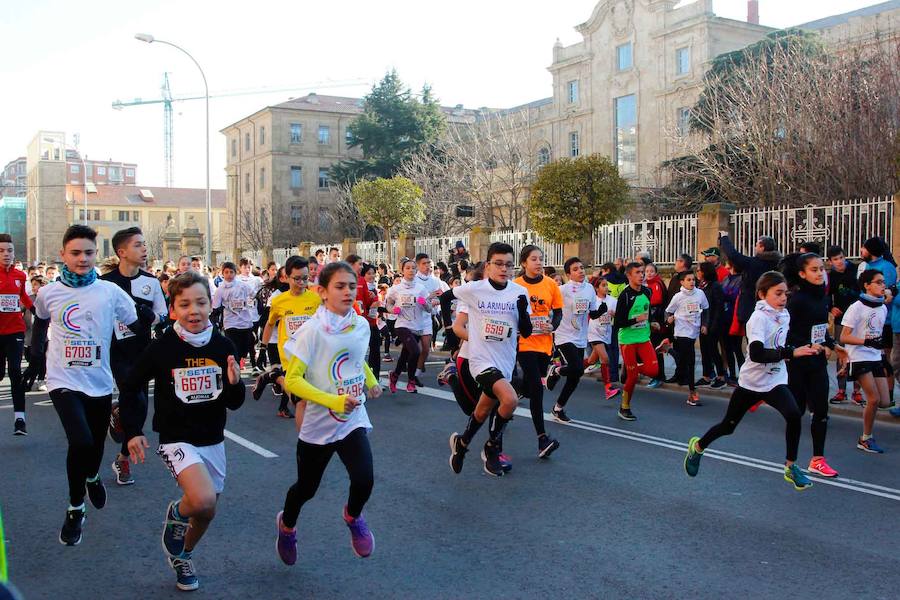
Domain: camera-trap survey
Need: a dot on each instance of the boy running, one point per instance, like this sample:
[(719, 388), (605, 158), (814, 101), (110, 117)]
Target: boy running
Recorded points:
[(13, 300), (236, 302)]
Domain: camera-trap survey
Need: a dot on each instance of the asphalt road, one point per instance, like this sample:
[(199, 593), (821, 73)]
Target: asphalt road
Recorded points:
[(610, 515)]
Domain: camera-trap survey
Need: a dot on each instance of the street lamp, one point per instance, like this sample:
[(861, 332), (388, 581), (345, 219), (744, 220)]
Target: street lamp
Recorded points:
[(146, 37)]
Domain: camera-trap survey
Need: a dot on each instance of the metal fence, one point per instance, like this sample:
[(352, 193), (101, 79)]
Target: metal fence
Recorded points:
[(373, 252), (553, 253), (438, 248), (665, 239), (846, 224)]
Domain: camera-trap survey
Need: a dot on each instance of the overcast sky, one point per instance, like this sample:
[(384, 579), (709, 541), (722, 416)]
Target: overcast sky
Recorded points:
[(64, 62)]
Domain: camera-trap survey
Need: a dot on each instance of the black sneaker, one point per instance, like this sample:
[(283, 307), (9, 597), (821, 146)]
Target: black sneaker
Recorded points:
[(626, 415), (19, 427), (553, 376), (96, 492), (457, 452), (185, 577), (261, 382), (546, 446), (702, 382), (417, 381), (559, 414), (491, 457), (717, 384), (673, 379), (70, 535)]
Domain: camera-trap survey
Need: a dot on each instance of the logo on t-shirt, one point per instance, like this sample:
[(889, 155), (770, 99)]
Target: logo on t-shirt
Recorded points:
[(348, 380), (67, 317)]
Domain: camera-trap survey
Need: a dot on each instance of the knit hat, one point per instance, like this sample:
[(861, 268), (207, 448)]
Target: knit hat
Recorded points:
[(711, 252), (875, 246)]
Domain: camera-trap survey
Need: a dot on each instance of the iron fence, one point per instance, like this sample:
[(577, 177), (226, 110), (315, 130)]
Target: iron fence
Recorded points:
[(553, 252), (665, 239)]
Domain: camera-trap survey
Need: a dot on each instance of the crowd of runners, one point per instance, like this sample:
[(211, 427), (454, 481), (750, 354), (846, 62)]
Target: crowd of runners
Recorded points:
[(319, 329)]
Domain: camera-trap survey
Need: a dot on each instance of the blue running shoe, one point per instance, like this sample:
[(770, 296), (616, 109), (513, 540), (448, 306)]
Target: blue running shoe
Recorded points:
[(174, 530), (185, 577), (895, 412), (796, 476), (654, 383), (692, 459), (869, 446)]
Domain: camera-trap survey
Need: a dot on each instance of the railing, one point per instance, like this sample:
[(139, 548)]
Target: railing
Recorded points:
[(553, 253), (372, 252), (665, 239), (438, 248), (846, 224)]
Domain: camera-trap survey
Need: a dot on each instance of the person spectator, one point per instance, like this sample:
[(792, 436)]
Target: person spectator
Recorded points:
[(659, 300), (766, 258), (442, 272), (711, 357), (713, 256), (643, 257), (458, 253), (683, 264), (732, 331), (334, 254)]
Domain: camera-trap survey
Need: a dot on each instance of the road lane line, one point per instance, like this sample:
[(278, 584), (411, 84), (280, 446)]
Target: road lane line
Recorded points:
[(249, 445)]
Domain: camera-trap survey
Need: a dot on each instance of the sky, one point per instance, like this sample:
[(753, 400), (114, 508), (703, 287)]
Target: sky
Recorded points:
[(66, 62)]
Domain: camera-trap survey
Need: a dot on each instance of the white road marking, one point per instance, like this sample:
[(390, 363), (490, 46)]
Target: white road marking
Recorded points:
[(249, 445), (681, 446)]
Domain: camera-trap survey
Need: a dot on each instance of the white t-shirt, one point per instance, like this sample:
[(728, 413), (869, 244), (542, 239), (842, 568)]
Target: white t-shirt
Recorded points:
[(273, 338), (687, 308), (866, 322), (600, 330), (412, 314), (462, 309), (82, 321), (334, 364), (430, 284), (493, 325), (252, 280), (770, 327), (239, 302), (579, 299)]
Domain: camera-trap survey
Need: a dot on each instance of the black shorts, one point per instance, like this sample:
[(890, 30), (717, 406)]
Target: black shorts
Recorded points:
[(486, 380), (875, 367), (887, 337)]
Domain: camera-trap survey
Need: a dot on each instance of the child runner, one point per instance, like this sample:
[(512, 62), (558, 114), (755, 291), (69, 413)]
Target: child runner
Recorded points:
[(763, 378), (433, 287), (80, 312), (688, 311), (235, 301), (386, 322), (844, 291), (327, 367), (13, 300), (409, 301), (600, 336), (197, 378), (862, 329)]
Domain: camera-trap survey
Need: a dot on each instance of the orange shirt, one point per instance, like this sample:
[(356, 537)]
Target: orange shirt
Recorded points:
[(544, 297)]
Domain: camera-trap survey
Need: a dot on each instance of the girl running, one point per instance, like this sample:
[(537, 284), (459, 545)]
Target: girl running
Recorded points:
[(659, 300), (327, 368), (408, 300), (688, 312), (763, 378), (600, 336)]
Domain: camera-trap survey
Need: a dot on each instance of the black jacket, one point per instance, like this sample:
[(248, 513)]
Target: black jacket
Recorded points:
[(843, 288), (717, 315), (752, 268), (808, 306)]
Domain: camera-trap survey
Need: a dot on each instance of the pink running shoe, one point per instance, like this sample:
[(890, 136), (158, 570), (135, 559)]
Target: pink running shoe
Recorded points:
[(411, 388), (820, 467), (361, 539), (612, 392), (392, 382)]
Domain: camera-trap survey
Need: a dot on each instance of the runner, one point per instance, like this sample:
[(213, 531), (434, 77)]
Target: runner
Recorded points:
[(196, 377), (126, 346), (80, 312), (763, 378), (688, 311), (600, 336), (580, 304), (498, 314), (844, 291), (246, 276), (13, 300), (234, 302), (534, 353), (409, 301), (327, 368), (433, 287)]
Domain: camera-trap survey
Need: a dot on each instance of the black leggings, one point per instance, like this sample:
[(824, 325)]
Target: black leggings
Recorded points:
[(36, 370), (809, 385), (388, 336), (779, 398), (85, 420), (572, 370), (409, 354), (711, 356), (734, 354), (11, 349), (465, 389), (534, 366), (243, 342), (375, 350), (685, 360), (356, 454)]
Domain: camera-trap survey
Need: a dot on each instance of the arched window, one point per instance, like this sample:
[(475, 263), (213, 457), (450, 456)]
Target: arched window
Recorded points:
[(543, 156)]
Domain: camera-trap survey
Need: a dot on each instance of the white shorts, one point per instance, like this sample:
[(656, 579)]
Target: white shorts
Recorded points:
[(181, 455)]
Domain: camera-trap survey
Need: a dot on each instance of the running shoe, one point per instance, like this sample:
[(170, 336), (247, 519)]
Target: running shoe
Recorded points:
[(70, 534), (284, 414), (411, 388), (664, 346), (626, 415), (869, 446), (839, 398), (796, 476), (174, 530), (857, 398), (692, 458), (731, 381), (890, 405), (243, 364), (185, 577), (546, 446), (505, 462), (285, 541), (448, 371), (457, 452), (552, 376), (717, 384), (19, 427), (654, 383), (693, 399), (96, 492), (116, 432), (673, 379), (256, 371), (895, 412), (592, 368), (491, 458), (392, 382), (416, 382), (387, 358), (262, 381), (361, 539), (122, 470), (42, 386), (702, 382), (820, 467), (559, 414), (612, 392)]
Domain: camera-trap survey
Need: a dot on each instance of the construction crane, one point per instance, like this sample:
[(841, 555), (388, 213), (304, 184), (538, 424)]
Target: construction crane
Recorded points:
[(167, 100)]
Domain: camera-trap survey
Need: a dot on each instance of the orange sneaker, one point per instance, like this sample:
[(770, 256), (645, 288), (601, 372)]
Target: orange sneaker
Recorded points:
[(820, 467), (694, 399)]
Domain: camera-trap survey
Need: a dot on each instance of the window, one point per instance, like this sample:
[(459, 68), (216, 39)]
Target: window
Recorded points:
[(92, 215), (324, 134), (626, 134), (543, 156), (129, 172), (683, 120), (115, 173), (296, 178), (624, 59), (101, 170), (247, 142), (246, 183), (323, 218), (106, 247), (136, 216), (75, 168), (296, 133), (89, 170), (262, 178), (573, 92), (233, 147), (296, 215), (323, 178), (683, 61), (348, 138), (124, 215), (574, 144), (262, 136)]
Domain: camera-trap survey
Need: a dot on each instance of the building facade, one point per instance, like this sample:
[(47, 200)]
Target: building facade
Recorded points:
[(14, 179), (80, 170)]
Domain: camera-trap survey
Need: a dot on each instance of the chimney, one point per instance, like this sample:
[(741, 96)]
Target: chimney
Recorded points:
[(753, 12)]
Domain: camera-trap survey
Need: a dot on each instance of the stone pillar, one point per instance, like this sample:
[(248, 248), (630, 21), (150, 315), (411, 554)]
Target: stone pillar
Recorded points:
[(305, 249), (192, 242), (171, 246), (895, 228), (712, 219), (479, 240), (348, 247), (583, 249), (406, 246)]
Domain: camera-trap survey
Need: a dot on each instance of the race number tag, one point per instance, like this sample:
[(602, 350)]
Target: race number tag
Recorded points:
[(81, 353), (605, 318), (9, 303), (295, 322), (122, 332), (373, 312), (582, 306), (495, 330), (355, 387), (818, 333), (692, 308), (197, 384), (407, 301), (237, 305), (541, 323)]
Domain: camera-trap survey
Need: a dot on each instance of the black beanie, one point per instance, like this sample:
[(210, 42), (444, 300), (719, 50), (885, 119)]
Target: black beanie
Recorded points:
[(874, 246)]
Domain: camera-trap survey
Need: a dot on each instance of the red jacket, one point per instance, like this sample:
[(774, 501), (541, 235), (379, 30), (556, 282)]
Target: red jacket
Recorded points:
[(364, 299), (722, 272), (13, 300)]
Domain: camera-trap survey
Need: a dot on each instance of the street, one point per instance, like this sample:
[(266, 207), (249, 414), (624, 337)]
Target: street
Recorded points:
[(610, 515)]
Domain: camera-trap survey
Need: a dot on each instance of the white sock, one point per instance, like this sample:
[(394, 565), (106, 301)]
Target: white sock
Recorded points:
[(866, 437), (76, 507), (20, 415)]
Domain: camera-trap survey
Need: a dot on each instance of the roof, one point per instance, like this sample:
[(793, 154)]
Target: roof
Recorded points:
[(833, 20), (121, 195)]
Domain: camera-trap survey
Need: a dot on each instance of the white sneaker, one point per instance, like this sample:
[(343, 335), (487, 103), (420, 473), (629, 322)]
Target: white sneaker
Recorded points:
[(42, 387), (592, 368)]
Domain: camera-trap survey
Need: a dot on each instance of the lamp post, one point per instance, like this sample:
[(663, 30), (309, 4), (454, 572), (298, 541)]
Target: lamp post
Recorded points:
[(146, 37)]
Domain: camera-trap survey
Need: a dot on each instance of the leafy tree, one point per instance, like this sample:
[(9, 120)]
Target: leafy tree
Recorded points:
[(394, 125), (392, 204), (572, 197)]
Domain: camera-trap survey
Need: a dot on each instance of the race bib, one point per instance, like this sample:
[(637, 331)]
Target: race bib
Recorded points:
[(541, 323), (237, 305), (775, 369), (9, 303), (295, 322), (692, 308), (641, 325), (80, 353), (605, 318), (197, 384), (818, 333), (495, 330), (355, 387), (373, 312), (407, 301), (122, 332), (582, 306)]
